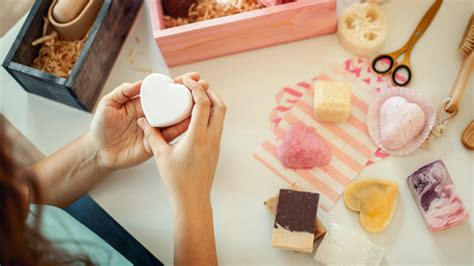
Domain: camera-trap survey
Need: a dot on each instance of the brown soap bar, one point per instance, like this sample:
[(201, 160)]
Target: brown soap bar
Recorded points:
[(296, 210), (294, 221), (271, 206)]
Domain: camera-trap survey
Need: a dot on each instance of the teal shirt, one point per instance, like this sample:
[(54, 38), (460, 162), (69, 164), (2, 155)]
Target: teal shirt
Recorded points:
[(67, 234)]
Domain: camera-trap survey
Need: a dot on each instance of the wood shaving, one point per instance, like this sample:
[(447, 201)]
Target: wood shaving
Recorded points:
[(145, 70), (44, 38), (131, 59), (45, 26), (209, 9), (56, 55)]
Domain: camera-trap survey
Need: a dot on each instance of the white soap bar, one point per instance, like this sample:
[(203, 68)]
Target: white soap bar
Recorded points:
[(164, 102), (340, 246)]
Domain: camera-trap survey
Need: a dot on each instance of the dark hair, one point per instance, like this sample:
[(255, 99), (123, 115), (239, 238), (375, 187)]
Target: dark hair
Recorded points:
[(22, 244)]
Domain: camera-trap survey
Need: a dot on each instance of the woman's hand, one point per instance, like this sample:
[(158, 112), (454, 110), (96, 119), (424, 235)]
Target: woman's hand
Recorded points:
[(114, 131), (187, 170), (114, 141), (188, 167)]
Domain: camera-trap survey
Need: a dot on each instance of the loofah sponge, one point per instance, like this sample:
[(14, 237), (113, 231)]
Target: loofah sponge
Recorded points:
[(362, 28), (303, 148), (376, 1)]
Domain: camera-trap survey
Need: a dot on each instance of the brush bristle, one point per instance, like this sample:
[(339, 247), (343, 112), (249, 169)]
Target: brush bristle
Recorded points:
[(467, 44)]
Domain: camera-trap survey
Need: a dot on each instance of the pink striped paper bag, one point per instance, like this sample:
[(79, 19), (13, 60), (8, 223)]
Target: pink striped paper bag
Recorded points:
[(350, 143), (359, 68)]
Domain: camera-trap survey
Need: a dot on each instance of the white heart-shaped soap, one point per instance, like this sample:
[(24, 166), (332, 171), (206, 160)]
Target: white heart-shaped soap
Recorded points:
[(164, 102), (400, 122)]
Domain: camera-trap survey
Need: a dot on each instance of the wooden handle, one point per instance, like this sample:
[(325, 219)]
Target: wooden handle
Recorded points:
[(467, 137), (460, 84)]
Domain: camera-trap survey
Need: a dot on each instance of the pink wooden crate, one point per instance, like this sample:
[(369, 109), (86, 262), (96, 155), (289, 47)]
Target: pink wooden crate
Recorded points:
[(241, 32)]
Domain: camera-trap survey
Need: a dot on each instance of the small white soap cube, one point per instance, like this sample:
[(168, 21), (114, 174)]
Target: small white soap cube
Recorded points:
[(341, 246), (332, 101)]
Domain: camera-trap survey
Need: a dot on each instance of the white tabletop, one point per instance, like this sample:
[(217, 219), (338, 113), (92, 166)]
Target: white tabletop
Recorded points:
[(248, 82)]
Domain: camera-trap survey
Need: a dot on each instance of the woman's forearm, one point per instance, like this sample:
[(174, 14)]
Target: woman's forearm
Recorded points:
[(69, 173), (194, 242)]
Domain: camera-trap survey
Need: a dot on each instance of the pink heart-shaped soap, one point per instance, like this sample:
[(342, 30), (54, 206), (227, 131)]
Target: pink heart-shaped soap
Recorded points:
[(303, 148), (164, 102), (400, 122)]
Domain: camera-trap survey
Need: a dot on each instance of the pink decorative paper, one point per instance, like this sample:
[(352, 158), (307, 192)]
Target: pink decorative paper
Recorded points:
[(350, 142), (357, 69)]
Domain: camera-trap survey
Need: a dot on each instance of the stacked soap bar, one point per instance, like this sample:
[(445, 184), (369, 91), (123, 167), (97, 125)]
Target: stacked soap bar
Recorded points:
[(332, 101), (340, 246), (271, 206), (434, 192), (294, 221)]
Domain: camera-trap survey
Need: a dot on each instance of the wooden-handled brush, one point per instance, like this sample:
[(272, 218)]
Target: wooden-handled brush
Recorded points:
[(451, 104), (466, 48)]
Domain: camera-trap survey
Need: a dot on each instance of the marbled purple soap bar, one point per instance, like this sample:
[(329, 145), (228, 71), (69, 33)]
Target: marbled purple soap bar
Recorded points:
[(434, 192)]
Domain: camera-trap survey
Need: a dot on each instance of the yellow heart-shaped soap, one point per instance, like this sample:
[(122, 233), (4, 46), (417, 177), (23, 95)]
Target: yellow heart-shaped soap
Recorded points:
[(375, 199)]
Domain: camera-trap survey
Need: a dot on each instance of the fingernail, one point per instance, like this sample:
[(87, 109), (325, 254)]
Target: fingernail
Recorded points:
[(141, 122), (204, 84), (191, 83)]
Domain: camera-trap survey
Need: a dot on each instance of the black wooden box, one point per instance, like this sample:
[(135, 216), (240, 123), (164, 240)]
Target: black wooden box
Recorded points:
[(84, 84)]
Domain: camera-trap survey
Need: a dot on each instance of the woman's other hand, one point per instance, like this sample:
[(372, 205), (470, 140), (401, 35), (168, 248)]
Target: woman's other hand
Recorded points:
[(114, 131), (188, 167), (187, 170)]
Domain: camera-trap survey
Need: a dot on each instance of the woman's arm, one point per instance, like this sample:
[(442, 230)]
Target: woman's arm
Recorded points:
[(187, 170), (69, 173), (194, 242), (114, 141)]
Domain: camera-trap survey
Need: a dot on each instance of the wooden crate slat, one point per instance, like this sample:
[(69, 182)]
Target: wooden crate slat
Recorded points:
[(89, 74)]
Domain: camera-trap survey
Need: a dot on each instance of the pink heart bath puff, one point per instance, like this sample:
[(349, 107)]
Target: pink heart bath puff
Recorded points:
[(302, 148), (399, 120)]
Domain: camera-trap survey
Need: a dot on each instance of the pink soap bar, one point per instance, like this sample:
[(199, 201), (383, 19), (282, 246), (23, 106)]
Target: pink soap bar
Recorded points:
[(303, 148), (434, 192)]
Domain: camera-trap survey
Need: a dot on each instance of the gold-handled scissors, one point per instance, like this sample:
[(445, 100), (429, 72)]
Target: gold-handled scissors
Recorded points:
[(388, 63)]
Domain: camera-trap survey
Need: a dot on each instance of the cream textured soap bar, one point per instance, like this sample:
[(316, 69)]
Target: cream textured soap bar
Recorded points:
[(342, 247), (332, 101)]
